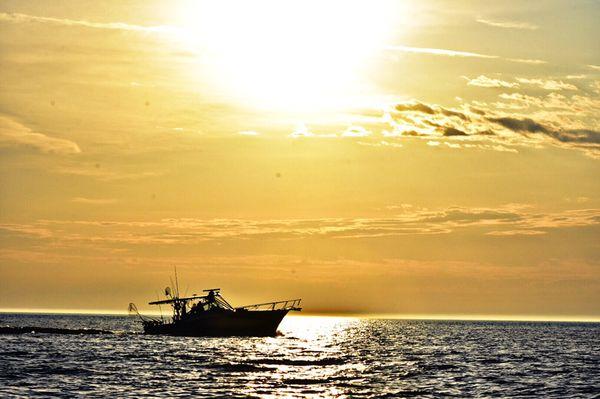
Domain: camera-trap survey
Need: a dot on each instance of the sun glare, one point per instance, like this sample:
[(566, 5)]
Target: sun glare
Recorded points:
[(296, 56)]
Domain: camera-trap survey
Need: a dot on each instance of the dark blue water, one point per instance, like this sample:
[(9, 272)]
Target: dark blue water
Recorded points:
[(313, 357)]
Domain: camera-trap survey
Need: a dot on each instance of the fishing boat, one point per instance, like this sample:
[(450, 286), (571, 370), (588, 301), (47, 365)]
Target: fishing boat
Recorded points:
[(211, 315)]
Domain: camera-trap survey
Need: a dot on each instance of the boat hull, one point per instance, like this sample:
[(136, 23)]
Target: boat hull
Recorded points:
[(222, 323)]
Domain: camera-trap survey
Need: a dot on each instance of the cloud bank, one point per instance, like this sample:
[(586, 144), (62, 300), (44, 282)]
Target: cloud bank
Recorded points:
[(13, 133), (508, 220)]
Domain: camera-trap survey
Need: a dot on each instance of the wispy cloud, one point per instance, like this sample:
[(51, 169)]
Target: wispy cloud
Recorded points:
[(484, 81), (527, 61), (356, 131), (104, 174), (506, 233), (508, 24), (301, 130), (457, 54), (594, 67), (438, 51), (13, 133), (381, 143), (24, 18), (548, 84), (94, 201), (20, 229)]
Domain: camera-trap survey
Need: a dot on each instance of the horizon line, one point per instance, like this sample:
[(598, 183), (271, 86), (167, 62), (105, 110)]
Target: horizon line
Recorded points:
[(398, 316)]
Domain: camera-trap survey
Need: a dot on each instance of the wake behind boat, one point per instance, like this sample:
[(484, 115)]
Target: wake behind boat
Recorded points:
[(212, 315)]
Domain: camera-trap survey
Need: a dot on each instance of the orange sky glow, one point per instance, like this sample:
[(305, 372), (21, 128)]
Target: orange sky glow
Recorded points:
[(417, 159)]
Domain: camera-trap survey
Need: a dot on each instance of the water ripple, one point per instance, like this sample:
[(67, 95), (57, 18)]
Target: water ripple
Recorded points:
[(313, 357)]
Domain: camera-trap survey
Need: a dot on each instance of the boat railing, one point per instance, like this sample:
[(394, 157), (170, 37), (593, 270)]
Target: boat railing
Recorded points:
[(290, 304)]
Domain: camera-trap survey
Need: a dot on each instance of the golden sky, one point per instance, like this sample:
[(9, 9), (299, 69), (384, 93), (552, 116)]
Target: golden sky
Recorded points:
[(432, 157)]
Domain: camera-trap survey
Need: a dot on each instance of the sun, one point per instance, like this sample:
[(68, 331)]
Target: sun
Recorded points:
[(290, 55)]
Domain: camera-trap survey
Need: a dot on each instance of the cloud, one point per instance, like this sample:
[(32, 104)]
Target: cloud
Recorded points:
[(24, 18), (449, 112), (578, 136), (451, 131), (104, 174), (301, 130), (416, 119), (527, 61), (506, 233), (93, 201), (594, 67), (484, 81), (575, 106), (586, 139), (527, 125), (510, 219), (381, 143), (567, 123), (25, 230), (13, 133), (248, 133), (548, 84), (520, 125), (419, 107), (438, 51), (455, 53), (508, 24), (356, 131), (414, 106)]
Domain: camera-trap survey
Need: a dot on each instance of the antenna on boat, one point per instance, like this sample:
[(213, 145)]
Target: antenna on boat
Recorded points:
[(176, 281), (172, 285)]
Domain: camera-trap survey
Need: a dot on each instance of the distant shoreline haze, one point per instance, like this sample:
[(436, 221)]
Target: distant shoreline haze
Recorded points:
[(455, 317)]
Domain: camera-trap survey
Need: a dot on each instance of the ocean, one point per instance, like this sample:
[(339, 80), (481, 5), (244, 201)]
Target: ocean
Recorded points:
[(312, 357)]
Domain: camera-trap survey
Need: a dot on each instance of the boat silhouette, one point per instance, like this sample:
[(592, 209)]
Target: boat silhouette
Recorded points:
[(212, 315)]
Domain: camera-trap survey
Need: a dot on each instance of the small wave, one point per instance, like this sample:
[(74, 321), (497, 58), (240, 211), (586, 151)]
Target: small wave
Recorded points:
[(300, 362), (405, 394), (339, 381), (238, 367), (51, 330), (58, 370), (305, 381), (440, 367), (13, 353)]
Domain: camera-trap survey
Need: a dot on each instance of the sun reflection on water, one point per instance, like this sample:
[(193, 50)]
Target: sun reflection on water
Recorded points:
[(316, 328), (311, 353)]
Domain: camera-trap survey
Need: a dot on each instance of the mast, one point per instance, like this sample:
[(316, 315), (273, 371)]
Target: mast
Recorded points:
[(176, 281)]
